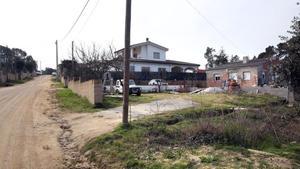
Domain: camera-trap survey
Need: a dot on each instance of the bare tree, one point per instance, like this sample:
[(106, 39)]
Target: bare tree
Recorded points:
[(93, 61)]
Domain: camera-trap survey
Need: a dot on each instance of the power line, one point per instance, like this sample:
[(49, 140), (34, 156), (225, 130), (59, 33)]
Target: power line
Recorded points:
[(213, 26), (74, 24), (92, 12)]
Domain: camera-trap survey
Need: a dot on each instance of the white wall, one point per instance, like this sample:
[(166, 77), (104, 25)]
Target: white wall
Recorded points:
[(146, 52), (152, 49), (153, 67)]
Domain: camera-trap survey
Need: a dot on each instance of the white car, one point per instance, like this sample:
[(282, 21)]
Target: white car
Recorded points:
[(133, 89), (39, 73), (157, 82)]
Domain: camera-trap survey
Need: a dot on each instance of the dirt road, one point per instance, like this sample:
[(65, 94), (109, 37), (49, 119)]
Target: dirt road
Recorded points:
[(28, 138)]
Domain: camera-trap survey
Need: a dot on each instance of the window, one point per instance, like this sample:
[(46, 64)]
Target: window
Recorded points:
[(233, 76), (135, 52), (156, 55), (246, 75), (145, 69), (132, 68), (162, 70), (217, 77)]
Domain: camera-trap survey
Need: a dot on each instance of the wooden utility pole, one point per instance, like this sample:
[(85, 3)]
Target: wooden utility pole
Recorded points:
[(72, 50), (126, 63), (73, 66), (56, 43), (41, 66)]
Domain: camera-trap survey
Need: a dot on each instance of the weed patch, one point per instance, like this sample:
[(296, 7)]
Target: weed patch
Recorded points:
[(165, 140)]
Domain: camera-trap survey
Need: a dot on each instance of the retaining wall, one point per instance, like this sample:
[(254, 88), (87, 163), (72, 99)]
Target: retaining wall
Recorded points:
[(92, 90), (280, 92)]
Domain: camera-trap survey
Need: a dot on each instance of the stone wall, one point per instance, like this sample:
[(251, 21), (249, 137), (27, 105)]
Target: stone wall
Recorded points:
[(92, 90)]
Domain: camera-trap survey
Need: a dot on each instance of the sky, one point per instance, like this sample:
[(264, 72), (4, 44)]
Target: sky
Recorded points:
[(242, 27)]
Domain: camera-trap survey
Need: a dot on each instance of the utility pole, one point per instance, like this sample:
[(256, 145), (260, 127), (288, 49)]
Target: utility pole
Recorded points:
[(73, 67), (126, 63), (56, 43), (72, 50), (41, 66)]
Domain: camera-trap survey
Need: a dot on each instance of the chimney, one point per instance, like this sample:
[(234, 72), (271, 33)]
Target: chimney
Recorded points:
[(147, 39), (245, 59)]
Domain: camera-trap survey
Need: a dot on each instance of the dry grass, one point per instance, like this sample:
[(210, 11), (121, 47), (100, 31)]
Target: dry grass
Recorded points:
[(172, 140)]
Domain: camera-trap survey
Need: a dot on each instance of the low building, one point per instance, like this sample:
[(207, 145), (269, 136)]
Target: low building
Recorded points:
[(151, 57), (247, 73)]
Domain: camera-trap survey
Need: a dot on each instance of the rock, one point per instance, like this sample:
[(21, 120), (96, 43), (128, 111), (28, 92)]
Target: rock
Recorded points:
[(88, 153), (46, 147), (67, 134), (65, 126)]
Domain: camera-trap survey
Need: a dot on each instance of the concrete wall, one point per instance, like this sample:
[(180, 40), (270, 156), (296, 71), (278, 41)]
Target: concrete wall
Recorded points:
[(12, 76), (280, 92), (92, 90), (26, 75), (2, 77), (153, 66)]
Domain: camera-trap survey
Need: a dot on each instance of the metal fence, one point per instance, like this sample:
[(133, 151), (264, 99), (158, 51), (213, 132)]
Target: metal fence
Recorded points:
[(147, 76)]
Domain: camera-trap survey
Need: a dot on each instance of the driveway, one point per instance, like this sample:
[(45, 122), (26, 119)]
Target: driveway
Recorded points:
[(87, 126)]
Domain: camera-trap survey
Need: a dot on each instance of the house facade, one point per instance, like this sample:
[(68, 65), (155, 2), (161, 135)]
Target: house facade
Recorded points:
[(247, 73), (151, 57)]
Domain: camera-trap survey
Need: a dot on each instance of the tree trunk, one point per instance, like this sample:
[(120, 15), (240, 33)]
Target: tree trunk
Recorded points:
[(291, 96)]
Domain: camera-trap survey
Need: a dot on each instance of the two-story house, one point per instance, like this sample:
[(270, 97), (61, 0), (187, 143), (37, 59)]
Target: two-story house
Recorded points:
[(151, 57)]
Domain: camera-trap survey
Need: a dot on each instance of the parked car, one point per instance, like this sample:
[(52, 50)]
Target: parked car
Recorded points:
[(53, 74), (38, 73), (133, 89), (157, 82)]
